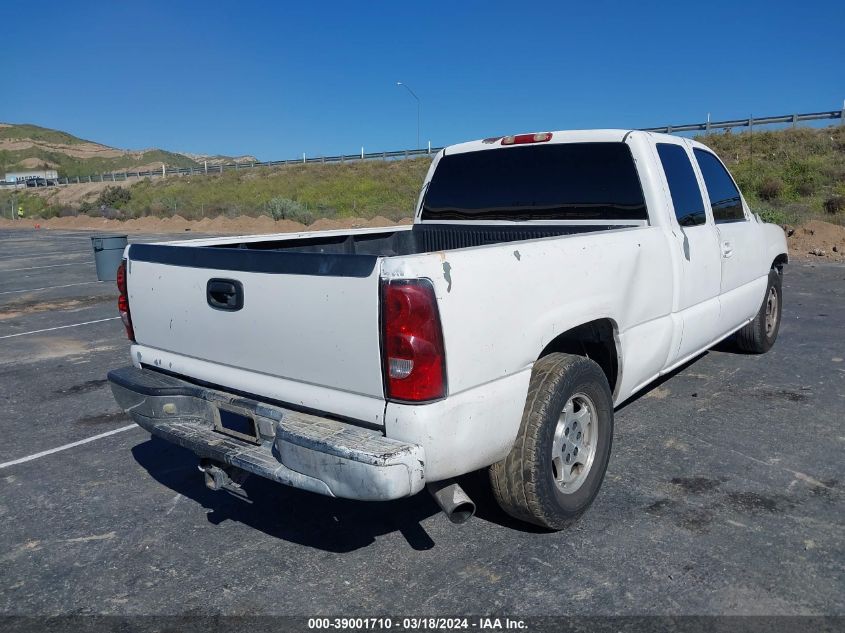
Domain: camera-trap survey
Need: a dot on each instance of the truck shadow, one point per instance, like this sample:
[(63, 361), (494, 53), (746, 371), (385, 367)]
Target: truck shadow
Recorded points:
[(728, 346), (659, 382), (330, 524)]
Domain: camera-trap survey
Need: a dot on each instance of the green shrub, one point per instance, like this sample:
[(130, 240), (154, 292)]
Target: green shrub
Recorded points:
[(114, 197), (835, 205), (774, 216), (159, 208), (805, 188), (770, 189), (281, 208)]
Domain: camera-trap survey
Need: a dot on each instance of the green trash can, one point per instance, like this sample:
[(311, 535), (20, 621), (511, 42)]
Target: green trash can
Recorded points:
[(108, 251)]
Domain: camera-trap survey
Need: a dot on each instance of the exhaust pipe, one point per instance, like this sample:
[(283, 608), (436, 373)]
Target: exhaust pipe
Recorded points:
[(455, 503)]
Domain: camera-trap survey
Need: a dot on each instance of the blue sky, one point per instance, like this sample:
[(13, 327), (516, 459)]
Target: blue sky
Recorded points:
[(276, 79)]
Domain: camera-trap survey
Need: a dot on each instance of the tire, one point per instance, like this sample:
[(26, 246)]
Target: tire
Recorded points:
[(758, 336), (534, 483)]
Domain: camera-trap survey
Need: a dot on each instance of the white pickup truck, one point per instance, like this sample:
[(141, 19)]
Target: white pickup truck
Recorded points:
[(546, 279)]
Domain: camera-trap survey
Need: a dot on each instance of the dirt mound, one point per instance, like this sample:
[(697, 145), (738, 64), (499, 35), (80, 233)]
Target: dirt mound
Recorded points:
[(379, 221), (245, 225), (334, 224), (149, 224), (817, 240), (289, 226)]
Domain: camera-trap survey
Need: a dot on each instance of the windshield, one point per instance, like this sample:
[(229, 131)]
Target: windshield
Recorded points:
[(567, 181)]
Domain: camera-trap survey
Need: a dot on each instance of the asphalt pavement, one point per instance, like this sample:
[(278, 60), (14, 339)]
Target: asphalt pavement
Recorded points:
[(724, 493)]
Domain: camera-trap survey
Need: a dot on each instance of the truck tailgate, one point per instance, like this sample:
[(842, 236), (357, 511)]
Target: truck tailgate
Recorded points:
[(308, 318)]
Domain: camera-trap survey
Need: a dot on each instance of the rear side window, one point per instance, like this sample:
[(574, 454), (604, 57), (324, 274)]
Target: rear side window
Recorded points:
[(724, 196), (566, 181), (683, 185)]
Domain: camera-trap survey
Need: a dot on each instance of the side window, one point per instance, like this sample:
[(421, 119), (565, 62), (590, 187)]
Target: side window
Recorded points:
[(683, 185), (724, 196)]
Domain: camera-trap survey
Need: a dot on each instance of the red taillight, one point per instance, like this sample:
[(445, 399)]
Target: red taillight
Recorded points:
[(414, 362), (522, 139), (121, 277), (123, 301)]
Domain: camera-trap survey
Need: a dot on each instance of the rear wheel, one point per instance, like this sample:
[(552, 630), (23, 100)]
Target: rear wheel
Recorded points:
[(758, 336), (558, 461)]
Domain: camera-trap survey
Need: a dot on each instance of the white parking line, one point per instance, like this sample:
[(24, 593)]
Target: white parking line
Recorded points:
[(35, 238), (60, 327), (29, 458), (11, 270), (81, 283), (55, 254)]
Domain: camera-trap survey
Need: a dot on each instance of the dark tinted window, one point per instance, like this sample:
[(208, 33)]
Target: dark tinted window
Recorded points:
[(683, 185), (724, 196), (570, 181)]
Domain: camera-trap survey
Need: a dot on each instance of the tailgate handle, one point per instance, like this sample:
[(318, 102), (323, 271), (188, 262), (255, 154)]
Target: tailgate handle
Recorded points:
[(225, 294)]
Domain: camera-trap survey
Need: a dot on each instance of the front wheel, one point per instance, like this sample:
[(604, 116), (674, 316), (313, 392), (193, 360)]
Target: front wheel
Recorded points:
[(758, 336), (557, 464)]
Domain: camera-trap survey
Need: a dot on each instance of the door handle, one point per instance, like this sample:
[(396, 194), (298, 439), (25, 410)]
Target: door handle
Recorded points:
[(727, 250), (225, 294)]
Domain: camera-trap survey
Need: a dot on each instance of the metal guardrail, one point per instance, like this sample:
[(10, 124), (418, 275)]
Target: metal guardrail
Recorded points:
[(707, 126)]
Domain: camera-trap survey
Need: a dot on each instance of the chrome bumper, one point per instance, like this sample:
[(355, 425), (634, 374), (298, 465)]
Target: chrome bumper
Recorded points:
[(297, 449)]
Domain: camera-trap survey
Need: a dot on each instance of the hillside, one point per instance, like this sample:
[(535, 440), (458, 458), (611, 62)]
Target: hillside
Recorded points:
[(789, 176), (27, 146), (217, 159)]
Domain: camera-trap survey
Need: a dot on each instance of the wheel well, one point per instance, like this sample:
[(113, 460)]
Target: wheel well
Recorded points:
[(596, 340), (780, 260)]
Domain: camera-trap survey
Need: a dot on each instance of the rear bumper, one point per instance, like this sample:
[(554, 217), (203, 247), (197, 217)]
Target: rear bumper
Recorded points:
[(297, 449)]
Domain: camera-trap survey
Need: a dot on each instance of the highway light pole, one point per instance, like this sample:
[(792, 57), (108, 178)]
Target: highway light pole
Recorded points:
[(414, 95)]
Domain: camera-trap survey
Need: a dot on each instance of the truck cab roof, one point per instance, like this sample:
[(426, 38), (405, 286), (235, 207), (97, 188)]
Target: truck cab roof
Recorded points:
[(601, 135)]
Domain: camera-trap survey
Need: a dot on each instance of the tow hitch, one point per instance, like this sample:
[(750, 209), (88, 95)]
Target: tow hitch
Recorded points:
[(223, 477)]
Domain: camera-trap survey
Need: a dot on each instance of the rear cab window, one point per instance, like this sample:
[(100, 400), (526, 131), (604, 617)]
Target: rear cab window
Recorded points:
[(724, 196), (563, 181), (683, 185)]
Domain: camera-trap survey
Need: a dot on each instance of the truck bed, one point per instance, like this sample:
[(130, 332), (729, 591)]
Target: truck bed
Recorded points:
[(421, 238), (345, 254)]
